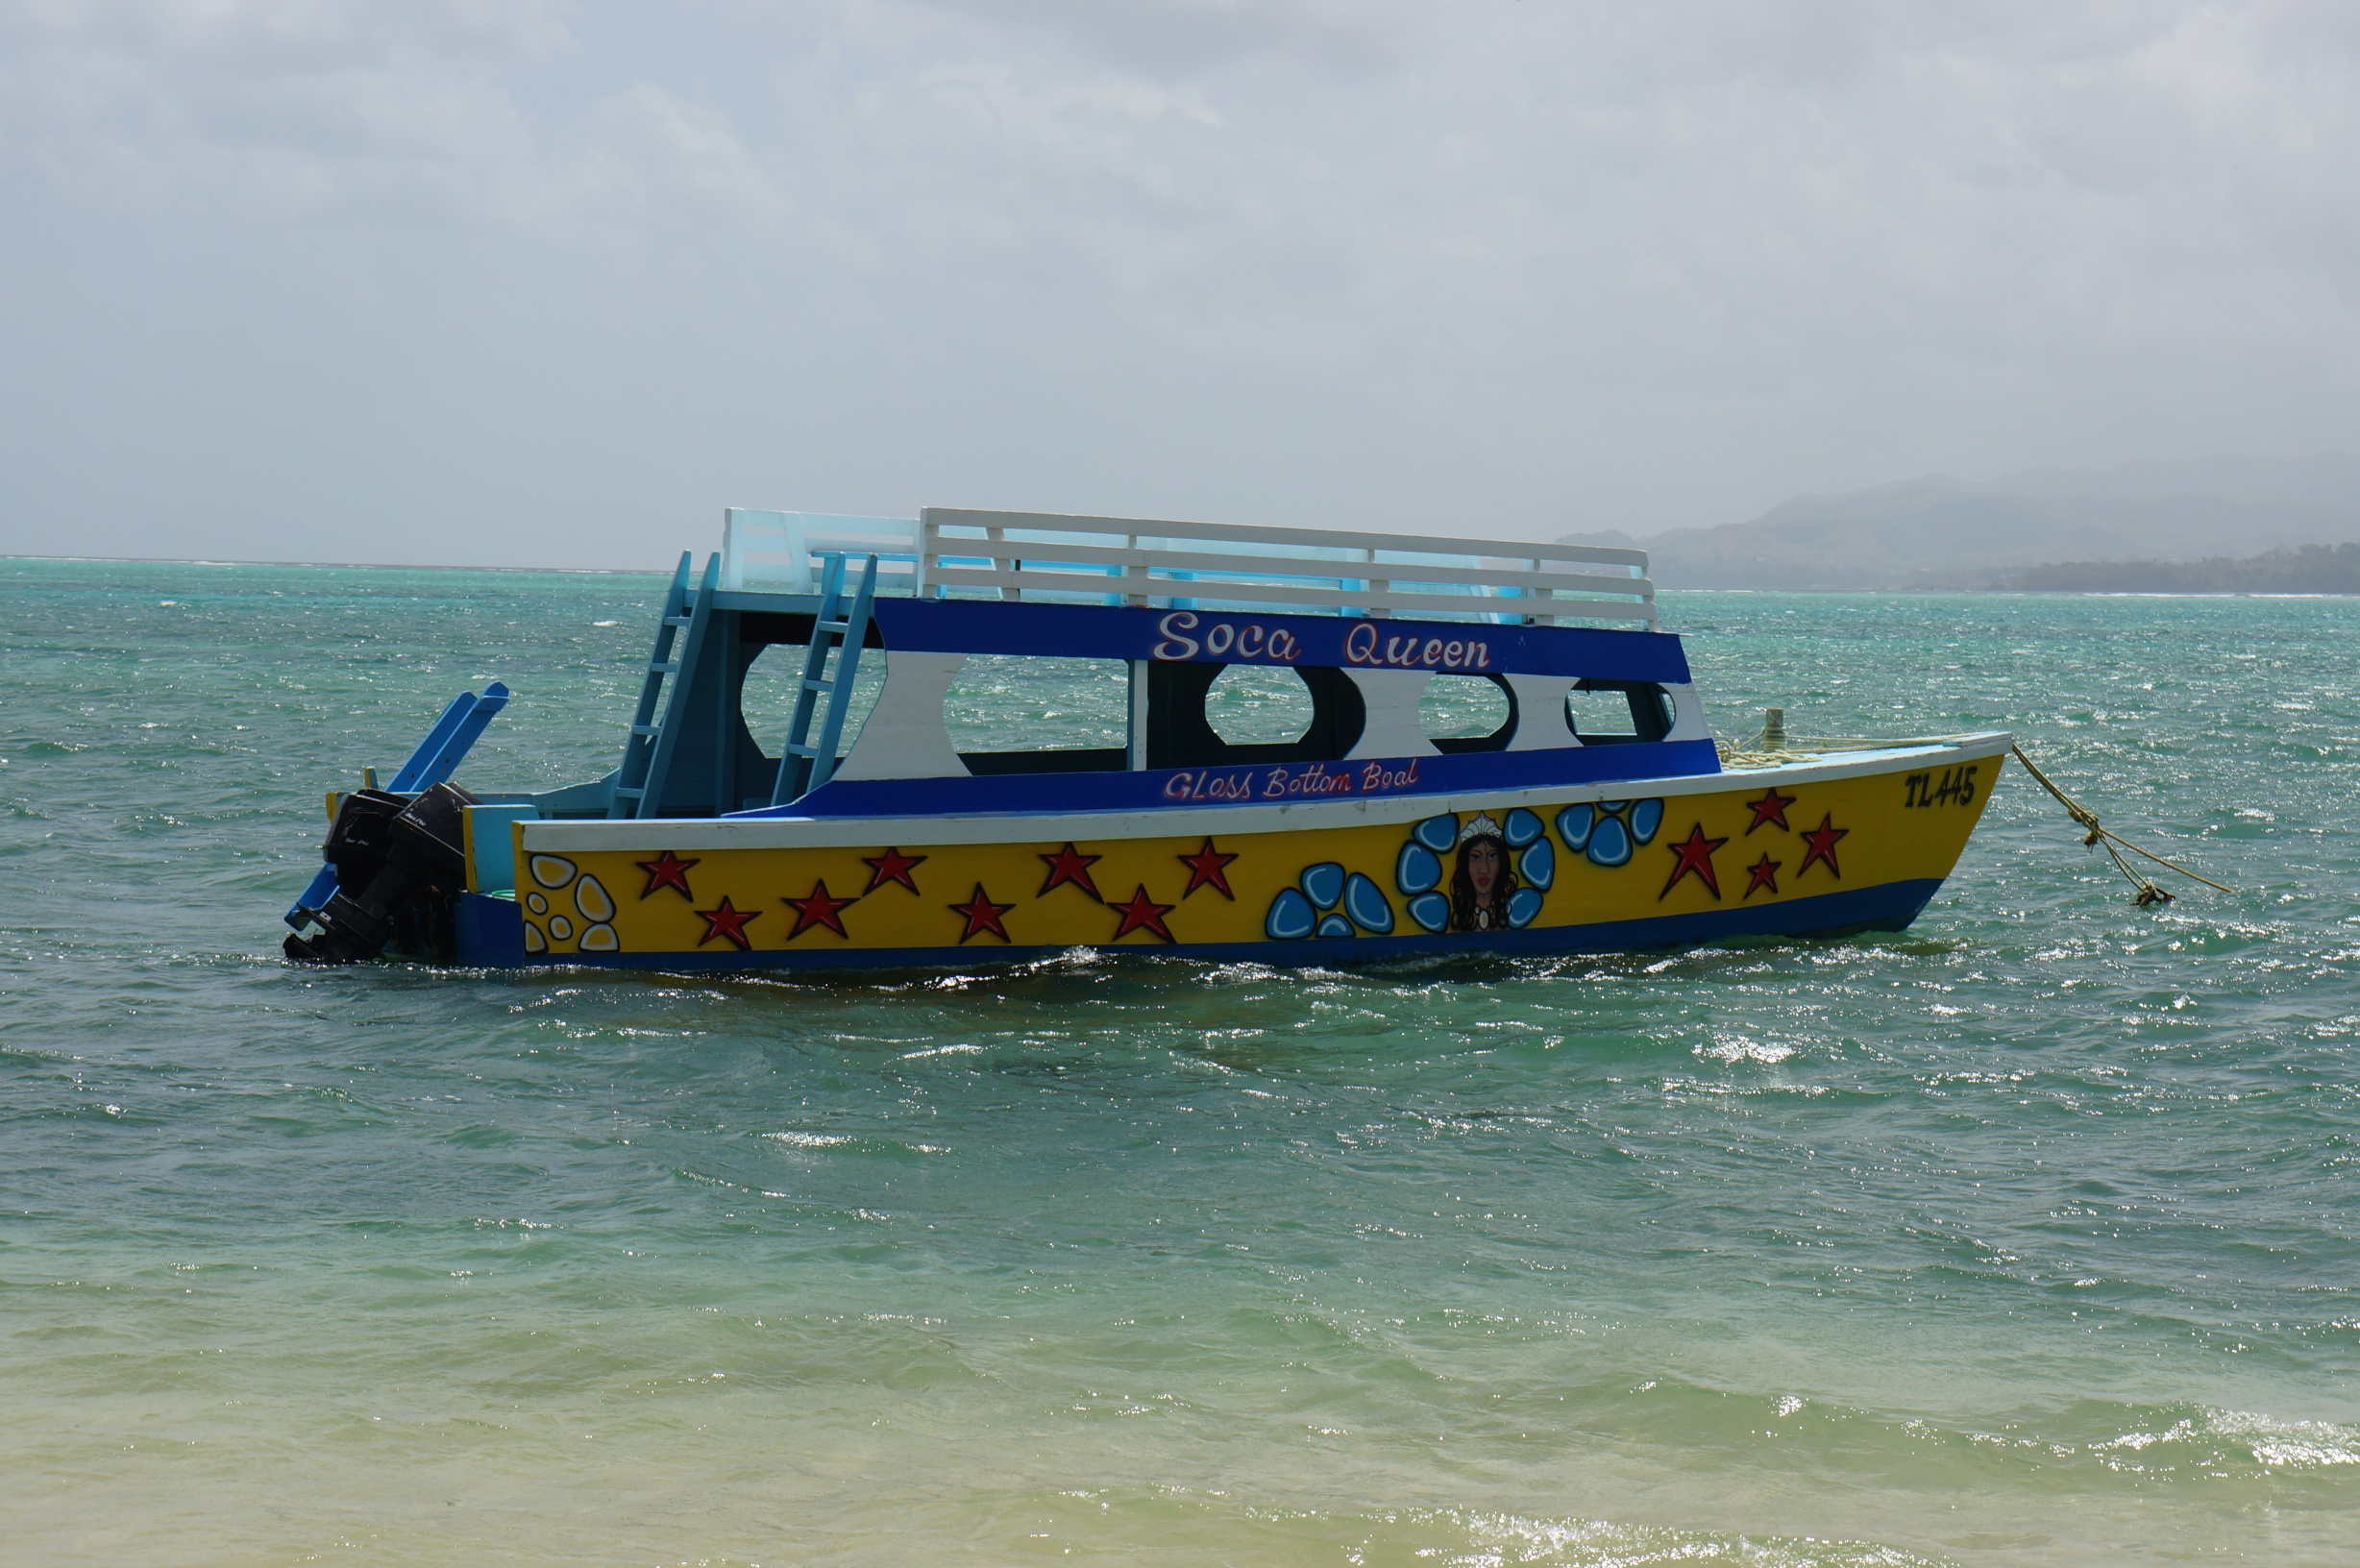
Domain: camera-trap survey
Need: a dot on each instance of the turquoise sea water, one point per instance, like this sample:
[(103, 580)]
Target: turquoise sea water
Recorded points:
[(2026, 1237)]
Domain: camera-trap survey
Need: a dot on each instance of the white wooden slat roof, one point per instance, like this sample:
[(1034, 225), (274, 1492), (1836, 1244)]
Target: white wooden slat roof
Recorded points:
[(1145, 561)]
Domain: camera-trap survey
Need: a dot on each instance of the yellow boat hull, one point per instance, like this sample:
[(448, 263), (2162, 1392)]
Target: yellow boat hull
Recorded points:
[(1816, 846)]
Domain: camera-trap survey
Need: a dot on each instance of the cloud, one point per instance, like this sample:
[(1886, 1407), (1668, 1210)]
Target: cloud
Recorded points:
[(282, 34), (1176, 40), (1562, 264), (1713, 142), (276, 106), (657, 154)]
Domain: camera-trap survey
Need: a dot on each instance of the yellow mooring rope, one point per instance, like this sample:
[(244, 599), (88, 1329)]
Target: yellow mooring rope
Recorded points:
[(1773, 747), (2107, 838)]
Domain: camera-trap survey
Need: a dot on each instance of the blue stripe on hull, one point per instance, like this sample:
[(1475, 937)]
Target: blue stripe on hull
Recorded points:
[(1887, 907), (1252, 784), (1093, 631)]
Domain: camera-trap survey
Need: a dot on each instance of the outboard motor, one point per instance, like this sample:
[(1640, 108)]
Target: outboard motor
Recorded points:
[(400, 866)]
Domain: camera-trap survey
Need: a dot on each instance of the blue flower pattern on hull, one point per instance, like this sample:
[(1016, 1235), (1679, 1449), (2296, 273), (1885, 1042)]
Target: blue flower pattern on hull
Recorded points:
[(1295, 913), (1366, 902), (1608, 831), (1290, 917), (1327, 900), (1609, 842)]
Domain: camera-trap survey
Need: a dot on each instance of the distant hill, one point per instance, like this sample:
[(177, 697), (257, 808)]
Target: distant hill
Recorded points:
[(1940, 533), (2312, 569)]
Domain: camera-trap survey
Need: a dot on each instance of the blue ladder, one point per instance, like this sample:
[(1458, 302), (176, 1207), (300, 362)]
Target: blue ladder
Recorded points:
[(803, 766), (431, 761), (647, 750)]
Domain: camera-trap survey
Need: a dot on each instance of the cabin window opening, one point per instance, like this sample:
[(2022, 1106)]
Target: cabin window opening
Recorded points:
[(1467, 713), (1613, 712), (765, 696), (1259, 704), (1309, 714), (1018, 713)]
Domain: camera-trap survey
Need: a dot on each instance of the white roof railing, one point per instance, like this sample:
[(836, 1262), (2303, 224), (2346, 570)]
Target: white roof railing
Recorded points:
[(1045, 557), (779, 551), (1019, 555)]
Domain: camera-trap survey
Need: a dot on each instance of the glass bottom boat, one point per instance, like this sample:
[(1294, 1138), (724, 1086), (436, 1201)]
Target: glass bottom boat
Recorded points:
[(1362, 838)]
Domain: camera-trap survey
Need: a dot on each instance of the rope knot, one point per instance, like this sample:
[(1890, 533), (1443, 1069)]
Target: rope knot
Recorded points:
[(2146, 893)]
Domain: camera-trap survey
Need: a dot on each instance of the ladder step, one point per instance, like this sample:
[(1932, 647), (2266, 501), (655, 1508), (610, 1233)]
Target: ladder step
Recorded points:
[(669, 667), (822, 685), (643, 730), (835, 626), (677, 620), (797, 749), (630, 790)]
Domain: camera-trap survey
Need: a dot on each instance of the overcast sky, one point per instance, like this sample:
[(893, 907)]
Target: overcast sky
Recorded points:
[(527, 282)]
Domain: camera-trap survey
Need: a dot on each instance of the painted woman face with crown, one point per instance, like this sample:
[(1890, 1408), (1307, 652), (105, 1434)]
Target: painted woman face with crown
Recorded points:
[(1479, 886)]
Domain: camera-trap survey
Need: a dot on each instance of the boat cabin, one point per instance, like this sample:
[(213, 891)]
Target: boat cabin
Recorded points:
[(1152, 615)]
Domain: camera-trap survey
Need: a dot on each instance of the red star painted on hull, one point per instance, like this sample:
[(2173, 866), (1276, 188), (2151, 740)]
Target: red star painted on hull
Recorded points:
[(728, 922), (667, 871), (1765, 874), (1694, 855), (1071, 865), (1770, 811), (982, 914), (818, 908), (1207, 868), (1142, 914), (893, 866), (1820, 845)]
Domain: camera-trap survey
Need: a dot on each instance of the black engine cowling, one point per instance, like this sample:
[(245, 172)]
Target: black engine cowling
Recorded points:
[(400, 866)]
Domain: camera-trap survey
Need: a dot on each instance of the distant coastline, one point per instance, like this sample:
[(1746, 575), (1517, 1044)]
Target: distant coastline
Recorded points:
[(2309, 568), (2098, 530)]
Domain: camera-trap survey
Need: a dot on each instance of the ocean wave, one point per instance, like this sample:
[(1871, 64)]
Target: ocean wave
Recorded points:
[(2274, 1444)]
